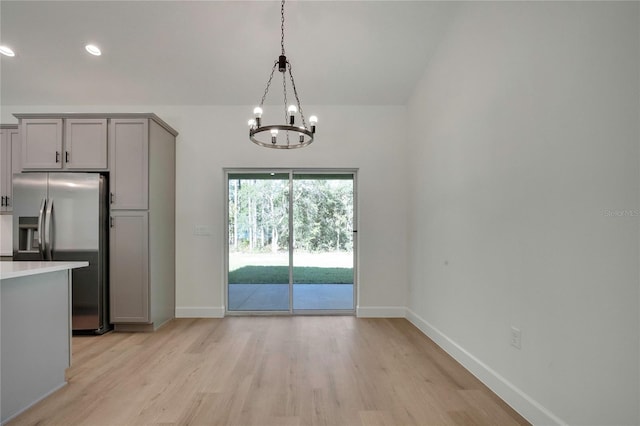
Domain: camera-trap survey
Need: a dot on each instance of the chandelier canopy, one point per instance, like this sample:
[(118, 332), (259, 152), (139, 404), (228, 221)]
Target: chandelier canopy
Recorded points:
[(288, 135)]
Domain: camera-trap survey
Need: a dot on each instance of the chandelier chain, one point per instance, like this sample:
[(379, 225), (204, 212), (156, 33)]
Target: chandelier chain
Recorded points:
[(266, 90), (295, 92), (282, 27), (286, 114)]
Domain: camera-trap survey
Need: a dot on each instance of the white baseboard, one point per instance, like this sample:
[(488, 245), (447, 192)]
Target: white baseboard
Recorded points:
[(528, 408), (381, 312), (199, 312)]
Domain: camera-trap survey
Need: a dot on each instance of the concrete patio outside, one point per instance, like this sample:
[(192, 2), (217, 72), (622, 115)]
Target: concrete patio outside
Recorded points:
[(275, 297)]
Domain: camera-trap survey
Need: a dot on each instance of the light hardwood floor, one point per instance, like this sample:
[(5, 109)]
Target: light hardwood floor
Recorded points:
[(269, 371)]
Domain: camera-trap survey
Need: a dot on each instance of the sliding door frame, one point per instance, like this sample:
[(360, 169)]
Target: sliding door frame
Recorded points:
[(292, 172)]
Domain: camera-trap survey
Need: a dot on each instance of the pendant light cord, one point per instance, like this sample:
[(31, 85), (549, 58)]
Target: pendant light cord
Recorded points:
[(282, 27)]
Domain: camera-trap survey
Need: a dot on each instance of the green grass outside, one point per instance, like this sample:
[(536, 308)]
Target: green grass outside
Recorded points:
[(280, 275)]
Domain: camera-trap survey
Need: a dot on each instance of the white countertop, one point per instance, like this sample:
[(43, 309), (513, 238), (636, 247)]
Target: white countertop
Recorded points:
[(11, 269)]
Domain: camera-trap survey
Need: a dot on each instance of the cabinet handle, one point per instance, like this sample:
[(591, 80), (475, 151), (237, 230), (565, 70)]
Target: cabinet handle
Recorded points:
[(57, 156), (66, 156), (2, 201), (111, 221), (6, 201), (113, 197)]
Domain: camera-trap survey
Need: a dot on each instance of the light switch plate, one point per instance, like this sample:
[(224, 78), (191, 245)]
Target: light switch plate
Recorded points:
[(516, 338), (201, 230)]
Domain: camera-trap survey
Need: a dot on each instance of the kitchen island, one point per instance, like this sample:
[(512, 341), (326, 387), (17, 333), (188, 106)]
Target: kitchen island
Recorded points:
[(35, 332)]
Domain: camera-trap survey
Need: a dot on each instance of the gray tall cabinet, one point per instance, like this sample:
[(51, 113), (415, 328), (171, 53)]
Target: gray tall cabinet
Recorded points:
[(142, 185), (138, 152)]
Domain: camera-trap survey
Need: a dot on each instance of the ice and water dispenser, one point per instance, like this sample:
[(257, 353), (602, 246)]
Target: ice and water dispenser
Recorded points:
[(28, 235)]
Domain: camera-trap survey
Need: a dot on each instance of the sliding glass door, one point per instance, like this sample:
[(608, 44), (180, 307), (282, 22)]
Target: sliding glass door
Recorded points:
[(291, 246), (323, 274), (258, 265)]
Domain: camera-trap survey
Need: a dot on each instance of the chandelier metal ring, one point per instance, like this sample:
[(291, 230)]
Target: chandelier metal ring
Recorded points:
[(280, 127)]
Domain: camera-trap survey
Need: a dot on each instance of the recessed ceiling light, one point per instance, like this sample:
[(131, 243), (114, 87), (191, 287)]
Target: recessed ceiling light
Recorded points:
[(7, 51), (93, 49)]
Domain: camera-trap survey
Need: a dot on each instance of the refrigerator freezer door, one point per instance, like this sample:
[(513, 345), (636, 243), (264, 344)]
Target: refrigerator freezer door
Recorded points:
[(29, 192), (75, 235), (76, 219)]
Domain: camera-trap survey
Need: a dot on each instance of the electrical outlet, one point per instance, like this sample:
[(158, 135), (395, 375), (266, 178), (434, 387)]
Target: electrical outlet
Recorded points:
[(201, 230), (516, 338)]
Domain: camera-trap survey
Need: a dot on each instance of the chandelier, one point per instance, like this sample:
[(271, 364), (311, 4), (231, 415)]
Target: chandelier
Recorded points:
[(288, 135)]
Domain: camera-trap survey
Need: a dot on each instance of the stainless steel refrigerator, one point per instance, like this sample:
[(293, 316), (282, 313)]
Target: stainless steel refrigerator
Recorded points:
[(63, 217)]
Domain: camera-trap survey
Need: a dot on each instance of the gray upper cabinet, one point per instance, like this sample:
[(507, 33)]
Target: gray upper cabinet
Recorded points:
[(41, 143), (85, 144), (81, 146), (16, 150), (9, 164), (129, 164), (5, 171)]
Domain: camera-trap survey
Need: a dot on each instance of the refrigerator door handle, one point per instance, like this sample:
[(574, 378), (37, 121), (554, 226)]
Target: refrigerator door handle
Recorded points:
[(48, 231), (43, 206)]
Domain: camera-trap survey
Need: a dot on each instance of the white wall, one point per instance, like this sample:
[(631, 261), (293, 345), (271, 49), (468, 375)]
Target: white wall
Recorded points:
[(524, 137), (214, 137)]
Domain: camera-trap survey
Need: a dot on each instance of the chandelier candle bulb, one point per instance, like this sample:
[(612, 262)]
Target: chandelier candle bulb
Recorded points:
[(313, 120), (292, 110), (257, 111)]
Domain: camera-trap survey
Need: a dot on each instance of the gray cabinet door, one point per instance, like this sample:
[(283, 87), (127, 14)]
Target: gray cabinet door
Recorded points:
[(41, 143), (16, 157), (129, 267), (129, 164), (5, 170), (85, 143), (10, 160), (9, 150)]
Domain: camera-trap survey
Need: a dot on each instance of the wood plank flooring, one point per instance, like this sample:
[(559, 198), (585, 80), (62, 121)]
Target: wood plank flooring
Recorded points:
[(269, 371)]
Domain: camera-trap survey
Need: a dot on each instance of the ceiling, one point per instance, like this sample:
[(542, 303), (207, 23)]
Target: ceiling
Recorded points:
[(215, 52)]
